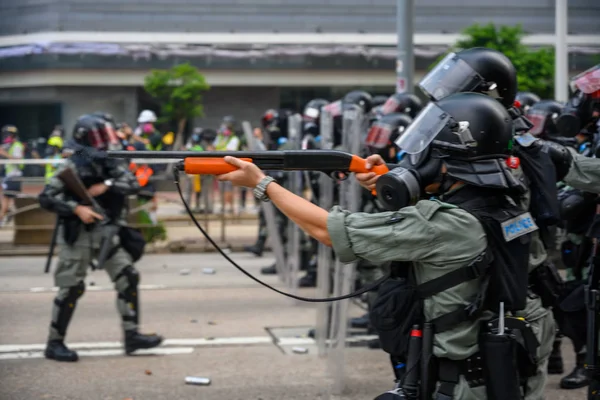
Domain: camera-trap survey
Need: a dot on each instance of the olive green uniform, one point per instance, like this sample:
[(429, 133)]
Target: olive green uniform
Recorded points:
[(584, 174), (439, 238), (74, 260)]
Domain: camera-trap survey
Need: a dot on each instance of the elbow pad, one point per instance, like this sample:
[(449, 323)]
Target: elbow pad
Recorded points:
[(48, 203), (561, 158)]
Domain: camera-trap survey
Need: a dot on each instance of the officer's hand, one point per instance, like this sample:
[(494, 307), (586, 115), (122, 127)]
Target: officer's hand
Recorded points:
[(247, 174), (97, 189), (368, 179), (87, 215)]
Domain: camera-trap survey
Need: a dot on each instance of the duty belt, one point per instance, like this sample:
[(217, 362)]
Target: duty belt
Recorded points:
[(449, 372)]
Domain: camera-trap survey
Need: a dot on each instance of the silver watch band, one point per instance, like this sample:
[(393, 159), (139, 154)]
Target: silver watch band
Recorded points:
[(260, 191)]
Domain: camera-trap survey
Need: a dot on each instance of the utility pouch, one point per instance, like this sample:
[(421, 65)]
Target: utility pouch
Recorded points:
[(500, 366), (71, 229), (394, 312), (547, 283), (132, 242)]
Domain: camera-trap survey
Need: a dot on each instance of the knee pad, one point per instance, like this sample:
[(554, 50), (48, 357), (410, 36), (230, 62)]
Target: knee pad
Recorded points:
[(130, 278), (75, 292)]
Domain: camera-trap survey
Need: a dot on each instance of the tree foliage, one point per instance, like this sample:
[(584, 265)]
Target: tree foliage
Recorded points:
[(179, 91), (535, 68)]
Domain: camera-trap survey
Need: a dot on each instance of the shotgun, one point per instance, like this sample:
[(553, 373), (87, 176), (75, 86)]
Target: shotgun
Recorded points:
[(329, 162)]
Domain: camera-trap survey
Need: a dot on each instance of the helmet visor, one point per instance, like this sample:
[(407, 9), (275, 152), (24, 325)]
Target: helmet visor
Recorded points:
[(379, 136), (428, 124), (334, 109), (391, 105), (588, 81), (96, 139), (538, 119), (451, 75)]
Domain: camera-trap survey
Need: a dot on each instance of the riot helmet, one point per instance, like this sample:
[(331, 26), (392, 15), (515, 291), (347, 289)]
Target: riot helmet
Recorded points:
[(582, 111), (311, 116), (358, 98), (275, 124), (477, 69), (384, 132), (89, 132), (110, 129), (526, 100), (471, 134), (407, 103), (543, 116)]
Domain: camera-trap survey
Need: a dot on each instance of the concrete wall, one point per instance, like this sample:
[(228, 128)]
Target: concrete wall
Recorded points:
[(121, 102), (243, 103), (537, 16)]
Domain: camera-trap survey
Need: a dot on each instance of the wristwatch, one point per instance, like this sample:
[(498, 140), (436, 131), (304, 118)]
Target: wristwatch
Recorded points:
[(109, 182), (260, 191)]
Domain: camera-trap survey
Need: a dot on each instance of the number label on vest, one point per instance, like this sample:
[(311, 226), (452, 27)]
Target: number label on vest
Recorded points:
[(518, 226)]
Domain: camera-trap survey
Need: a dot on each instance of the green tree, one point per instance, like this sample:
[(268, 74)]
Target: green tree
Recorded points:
[(179, 91), (535, 68)]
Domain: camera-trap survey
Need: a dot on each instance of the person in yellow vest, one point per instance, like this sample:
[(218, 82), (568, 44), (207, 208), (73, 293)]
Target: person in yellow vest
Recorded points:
[(53, 152), (12, 149), (227, 140)]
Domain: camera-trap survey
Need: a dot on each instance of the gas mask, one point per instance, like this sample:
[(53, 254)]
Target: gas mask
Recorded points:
[(405, 185)]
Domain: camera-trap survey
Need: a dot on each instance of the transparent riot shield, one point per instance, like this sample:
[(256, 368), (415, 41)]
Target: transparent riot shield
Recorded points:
[(294, 184), (274, 236), (325, 254), (344, 274)]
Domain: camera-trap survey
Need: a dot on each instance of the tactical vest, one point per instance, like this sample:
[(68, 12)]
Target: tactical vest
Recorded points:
[(11, 168), (504, 266)]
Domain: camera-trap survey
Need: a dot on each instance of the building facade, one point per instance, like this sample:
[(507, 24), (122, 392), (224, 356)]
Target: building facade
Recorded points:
[(62, 58)]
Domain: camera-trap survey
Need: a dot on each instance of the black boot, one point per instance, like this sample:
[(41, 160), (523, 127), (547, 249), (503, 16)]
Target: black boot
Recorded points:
[(555, 362), (308, 280), (257, 248), (360, 322), (136, 341), (269, 270), (578, 378), (56, 350)]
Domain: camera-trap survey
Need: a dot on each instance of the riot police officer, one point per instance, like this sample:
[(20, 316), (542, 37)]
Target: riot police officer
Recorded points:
[(527, 100), (83, 230), (439, 237), (406, 103)]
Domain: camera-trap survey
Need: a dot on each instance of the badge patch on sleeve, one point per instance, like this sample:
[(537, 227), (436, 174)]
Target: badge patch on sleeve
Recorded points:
[(518, 226)]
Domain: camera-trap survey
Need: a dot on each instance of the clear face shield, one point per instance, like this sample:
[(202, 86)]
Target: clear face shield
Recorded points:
[(451, 75), (538, 119), (588, 81), (421, 133)]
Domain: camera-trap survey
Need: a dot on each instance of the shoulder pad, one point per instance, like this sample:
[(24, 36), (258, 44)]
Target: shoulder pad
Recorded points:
[(526, 139), (429, 207)]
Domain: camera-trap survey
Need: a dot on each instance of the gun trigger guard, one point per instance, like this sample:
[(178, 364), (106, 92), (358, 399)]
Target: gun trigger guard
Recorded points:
[(339, 176)]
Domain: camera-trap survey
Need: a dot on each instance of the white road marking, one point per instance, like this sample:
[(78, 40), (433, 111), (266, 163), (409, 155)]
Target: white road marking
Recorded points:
[(233, 341), (101, 353), (94, 288)]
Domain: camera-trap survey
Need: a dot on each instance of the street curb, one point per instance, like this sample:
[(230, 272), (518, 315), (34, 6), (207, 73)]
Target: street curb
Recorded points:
[(175, 247)]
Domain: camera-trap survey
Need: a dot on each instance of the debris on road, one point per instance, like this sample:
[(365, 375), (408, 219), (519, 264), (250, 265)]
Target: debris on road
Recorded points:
[(197, 380), (194, 321), (208, 271), (92, 283), (300, 350), (212, 323), (185, 272), (148, 372)]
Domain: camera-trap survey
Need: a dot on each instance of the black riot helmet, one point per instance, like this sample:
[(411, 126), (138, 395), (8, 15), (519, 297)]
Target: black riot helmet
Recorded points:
[(407, 103), (359, 98), (90, 131), (384, 132), (470, 133), (527, 100), (477, 69), (110, 129), (582, 111), (275, 124), (543, 116), (378, 100), (311, 116)]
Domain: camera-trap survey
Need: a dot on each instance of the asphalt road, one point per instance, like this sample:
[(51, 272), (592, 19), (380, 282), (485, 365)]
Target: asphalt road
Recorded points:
[(222, 326)]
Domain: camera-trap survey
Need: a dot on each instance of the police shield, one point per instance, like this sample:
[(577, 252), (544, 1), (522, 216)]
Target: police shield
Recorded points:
[(353, 134), (275, 236), (294, 184), (325, 254)]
